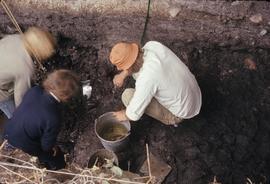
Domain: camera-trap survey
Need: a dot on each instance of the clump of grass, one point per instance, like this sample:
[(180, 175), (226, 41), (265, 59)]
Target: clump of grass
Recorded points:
[(19, 167)]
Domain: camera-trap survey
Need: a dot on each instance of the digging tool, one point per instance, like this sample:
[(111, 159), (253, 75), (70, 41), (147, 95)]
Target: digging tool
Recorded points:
[(146, 21), (87, 89)]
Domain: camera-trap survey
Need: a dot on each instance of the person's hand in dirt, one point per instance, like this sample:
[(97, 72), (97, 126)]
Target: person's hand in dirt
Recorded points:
[(119, 79), (120, 115), (55, 150)]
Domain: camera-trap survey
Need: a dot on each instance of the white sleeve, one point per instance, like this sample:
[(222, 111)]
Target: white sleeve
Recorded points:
[(144, 92), (21, 85)]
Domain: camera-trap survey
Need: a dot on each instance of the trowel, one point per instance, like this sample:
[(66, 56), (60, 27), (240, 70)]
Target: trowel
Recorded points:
[(86, 88)]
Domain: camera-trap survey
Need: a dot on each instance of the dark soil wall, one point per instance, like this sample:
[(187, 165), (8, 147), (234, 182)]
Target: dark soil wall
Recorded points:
[(229, 139)]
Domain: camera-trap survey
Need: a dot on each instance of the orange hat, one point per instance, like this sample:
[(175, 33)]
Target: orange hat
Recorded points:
[(123, 55)]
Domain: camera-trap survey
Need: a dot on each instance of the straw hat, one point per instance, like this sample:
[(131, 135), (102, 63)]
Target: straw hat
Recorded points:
[(123, 55), (39, 42)]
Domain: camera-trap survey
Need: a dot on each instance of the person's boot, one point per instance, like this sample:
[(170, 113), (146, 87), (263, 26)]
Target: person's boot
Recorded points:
[(2, 121)]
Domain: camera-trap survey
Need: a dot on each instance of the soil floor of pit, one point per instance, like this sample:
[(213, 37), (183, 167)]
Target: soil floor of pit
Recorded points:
[(228, 139)]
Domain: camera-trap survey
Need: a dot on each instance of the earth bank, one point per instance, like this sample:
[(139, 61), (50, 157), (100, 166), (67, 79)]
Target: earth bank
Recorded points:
[(222, 45)]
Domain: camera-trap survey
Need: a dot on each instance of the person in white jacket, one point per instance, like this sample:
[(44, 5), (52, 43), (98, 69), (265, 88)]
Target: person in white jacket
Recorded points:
[(165, 89), (16, 64)]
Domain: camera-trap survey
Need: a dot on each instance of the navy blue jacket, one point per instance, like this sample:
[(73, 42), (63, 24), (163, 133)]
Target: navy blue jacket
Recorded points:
[(35, 124)]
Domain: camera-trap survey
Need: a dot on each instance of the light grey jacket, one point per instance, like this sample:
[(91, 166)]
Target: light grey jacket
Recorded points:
[(16, 68)]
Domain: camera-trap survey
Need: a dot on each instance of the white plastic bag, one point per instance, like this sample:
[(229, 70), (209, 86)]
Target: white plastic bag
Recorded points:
[(87, 89)]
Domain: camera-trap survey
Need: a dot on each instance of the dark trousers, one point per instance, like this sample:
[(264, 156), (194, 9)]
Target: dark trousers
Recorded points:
[(52, 162), (47, 159)]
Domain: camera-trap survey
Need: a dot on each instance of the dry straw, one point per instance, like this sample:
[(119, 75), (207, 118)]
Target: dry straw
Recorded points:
[(26, 172)]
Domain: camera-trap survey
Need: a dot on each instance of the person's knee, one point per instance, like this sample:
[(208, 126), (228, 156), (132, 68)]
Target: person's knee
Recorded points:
[(127, 96)]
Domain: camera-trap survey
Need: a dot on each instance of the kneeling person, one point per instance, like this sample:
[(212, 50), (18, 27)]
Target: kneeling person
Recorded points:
[(165, 89), (17, 66), (36, 122)]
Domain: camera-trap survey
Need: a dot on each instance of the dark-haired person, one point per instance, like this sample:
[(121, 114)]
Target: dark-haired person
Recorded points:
[(16, 64), (35, 124), (165, 89)]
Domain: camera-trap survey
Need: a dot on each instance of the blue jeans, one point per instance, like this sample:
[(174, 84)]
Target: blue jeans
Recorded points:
[(8, 107)]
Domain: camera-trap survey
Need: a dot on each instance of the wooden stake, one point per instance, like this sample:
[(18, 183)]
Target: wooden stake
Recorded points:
[(148, 164)]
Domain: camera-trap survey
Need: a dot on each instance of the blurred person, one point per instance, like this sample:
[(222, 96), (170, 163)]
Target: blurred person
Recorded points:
[(35, 124), (16, 64), (165, 89)]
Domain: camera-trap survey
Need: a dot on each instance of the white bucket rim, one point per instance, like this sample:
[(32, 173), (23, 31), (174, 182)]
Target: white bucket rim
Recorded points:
[(105, 139)]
